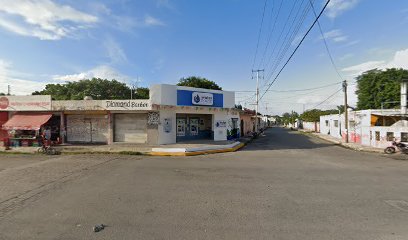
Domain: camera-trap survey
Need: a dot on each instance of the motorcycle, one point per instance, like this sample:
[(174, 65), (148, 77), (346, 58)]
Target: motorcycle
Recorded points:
[(402, 147)]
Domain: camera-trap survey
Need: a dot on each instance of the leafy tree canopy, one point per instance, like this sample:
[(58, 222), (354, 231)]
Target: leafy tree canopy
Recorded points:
[(198, 82), (313, 115), (288, 118), (97, 88), (376, 87)]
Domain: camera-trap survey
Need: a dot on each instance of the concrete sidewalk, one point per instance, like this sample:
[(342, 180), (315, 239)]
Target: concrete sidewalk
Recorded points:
[(179, 149), (350, 145)]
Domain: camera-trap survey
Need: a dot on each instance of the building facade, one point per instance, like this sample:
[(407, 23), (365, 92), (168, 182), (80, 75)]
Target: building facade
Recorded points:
[(172, 114), (376, 128)]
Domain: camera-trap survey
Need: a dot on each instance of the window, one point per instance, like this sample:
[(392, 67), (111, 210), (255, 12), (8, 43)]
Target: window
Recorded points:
[(404, 137), (352, 124), (377, 136), (336, 123), (327, 123), (390, 136)]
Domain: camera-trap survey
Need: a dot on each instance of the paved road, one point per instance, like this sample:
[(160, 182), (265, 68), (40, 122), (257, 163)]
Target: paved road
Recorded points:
[(284, 185)]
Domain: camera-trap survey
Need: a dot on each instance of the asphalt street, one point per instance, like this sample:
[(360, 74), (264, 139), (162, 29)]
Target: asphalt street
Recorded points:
[(283, 185)]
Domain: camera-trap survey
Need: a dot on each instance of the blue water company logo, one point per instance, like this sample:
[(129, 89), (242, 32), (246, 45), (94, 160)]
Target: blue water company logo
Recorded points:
[(197, 98), (200, 98)]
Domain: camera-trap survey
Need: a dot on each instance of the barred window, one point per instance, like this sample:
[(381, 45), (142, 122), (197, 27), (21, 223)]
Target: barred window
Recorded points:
[(404, 137), (390, 136)]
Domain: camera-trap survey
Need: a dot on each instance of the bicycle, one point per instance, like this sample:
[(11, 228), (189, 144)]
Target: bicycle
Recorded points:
[(47, 149)]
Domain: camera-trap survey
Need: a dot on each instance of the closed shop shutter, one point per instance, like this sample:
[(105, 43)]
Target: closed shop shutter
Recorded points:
[(87, 128), (131, 128)]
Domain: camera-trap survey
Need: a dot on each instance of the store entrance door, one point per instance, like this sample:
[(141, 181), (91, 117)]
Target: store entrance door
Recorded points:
[(194, 127)]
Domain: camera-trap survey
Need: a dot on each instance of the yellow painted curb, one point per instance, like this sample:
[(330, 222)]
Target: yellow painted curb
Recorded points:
[(198, 152)]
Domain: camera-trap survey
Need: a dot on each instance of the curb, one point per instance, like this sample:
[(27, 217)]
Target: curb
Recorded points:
[(171, 152), (345, 145), (195, 153)]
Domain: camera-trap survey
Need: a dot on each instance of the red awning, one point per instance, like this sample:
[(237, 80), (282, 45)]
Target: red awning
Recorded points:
[(27, 121)]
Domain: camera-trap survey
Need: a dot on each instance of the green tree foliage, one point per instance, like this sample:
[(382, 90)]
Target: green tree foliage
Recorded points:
[(141, 93), (198, 82), (313, 115), (288, 118), (96, 88), (377, 86)]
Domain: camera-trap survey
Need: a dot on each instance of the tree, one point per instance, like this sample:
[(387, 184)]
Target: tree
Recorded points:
[(96, 88), (379, 87), (313, 115), (288, 118), (142, 93), (198, 82)]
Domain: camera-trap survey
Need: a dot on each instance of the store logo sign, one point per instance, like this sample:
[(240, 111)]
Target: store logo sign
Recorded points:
[(199, 98), (4, 103)]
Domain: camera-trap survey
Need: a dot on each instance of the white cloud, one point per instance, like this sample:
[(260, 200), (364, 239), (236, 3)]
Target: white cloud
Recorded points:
[(42, 19), (103, 71), (337, 7), (399, 60), (18, 86), (151, 21), (336, 35), (362, 67), (114, 51), (124, 23)]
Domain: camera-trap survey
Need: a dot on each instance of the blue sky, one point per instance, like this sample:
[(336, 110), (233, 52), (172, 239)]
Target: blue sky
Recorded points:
[(160, 41)]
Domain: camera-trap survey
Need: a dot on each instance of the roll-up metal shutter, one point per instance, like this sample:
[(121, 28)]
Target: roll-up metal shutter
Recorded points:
[(131, 128), (87, 128)]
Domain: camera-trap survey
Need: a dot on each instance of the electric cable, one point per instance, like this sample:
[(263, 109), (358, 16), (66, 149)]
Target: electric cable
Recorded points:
[(297, 47)]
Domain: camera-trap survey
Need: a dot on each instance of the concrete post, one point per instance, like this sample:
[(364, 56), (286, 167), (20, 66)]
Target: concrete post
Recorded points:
[(404, 97), (110, 131), (63, 128), (404, 83)]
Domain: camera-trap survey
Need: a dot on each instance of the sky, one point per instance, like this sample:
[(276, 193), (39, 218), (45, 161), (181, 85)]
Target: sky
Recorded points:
[(145, 42)]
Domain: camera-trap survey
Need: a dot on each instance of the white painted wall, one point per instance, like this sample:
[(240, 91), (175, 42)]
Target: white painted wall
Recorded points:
[(220, 133), (311, 126), (163, 94), (164, 137), (383, 142), (229, 99)]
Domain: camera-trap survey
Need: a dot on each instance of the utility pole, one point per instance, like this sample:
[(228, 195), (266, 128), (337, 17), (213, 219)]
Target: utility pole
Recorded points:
[(133, 87), (257, 97), (345, 109), (8, 90)]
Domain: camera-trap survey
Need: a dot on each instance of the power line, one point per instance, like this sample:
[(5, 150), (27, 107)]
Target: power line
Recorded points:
[(327, 98), (289, 38), (295, 90), (270, 33), (325, 43), (281, 33), (259, 34), (297, 47)]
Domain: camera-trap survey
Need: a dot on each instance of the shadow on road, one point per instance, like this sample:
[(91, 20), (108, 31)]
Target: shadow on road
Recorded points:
[(277, 138)]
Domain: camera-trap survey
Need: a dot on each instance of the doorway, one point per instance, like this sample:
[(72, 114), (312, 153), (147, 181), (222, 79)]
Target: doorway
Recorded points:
[(193, 127)]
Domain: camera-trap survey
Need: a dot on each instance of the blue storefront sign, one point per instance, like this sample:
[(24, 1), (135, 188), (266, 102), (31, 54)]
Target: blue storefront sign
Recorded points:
[(193, 98)]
